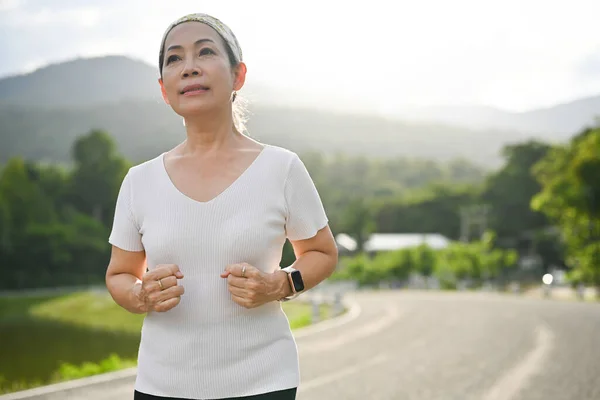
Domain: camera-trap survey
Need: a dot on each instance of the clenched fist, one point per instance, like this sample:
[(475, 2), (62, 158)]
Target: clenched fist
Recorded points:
[(250, 287), (160, 290)]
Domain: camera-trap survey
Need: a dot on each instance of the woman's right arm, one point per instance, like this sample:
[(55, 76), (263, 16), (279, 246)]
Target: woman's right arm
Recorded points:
[(129, 284), (124, 279), (139, 291)]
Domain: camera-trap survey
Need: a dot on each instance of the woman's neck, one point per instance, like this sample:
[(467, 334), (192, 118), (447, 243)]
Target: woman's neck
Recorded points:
[(205, 135)]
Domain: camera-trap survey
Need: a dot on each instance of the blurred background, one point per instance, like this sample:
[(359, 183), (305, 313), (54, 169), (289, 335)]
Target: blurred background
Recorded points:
[(455, 145)]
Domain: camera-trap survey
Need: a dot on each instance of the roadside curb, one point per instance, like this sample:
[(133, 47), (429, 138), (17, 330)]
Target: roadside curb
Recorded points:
[(352, 311)]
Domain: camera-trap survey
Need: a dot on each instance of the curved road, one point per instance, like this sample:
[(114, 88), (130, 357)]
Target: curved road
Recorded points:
[(463, 346), (447, 346)]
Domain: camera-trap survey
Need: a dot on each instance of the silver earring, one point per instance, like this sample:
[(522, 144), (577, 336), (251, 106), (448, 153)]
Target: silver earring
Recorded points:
[(233, 97)]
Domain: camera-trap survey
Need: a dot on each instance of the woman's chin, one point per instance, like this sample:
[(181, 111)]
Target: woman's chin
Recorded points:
[(192, 109)]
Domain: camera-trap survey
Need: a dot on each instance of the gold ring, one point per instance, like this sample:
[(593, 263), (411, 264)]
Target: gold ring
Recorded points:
[(243, 271), (160, 284)]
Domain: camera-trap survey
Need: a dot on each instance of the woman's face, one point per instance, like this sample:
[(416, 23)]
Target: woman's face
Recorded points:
[(197, 74)]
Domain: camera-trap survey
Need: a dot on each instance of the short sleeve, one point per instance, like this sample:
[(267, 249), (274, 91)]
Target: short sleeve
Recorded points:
[(305, 212), (125, 232)]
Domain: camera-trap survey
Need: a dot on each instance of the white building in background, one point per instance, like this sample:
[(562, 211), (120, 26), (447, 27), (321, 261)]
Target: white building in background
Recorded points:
[(392, 241), (397, 241)]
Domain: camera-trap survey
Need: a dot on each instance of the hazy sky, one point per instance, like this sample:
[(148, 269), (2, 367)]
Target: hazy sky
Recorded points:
[(513, 54)]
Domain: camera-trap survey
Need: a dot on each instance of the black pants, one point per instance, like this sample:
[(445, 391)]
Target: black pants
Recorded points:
[(289, 394)]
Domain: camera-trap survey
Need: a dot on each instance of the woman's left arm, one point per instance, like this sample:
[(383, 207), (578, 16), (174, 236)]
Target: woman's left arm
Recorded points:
[(316, 253), (316, 259)]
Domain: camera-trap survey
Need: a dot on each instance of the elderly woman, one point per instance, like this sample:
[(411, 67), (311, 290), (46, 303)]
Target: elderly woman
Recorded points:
[(210, 217)]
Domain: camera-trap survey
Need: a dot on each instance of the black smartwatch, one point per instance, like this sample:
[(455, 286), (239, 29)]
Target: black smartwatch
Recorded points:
[(296, 282)]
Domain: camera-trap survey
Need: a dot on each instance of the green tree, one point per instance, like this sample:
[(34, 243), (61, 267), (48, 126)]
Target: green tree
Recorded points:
[(357, 221), (432, 209), (358, 268), (72, 252), (393, 265), (4, 230), (509, 191), (99, 171), (549, 245), (495, 261), (53, 181), (47, 231), (23, 204), (23, 201), (425, 260), (403, 263), (570, 197)]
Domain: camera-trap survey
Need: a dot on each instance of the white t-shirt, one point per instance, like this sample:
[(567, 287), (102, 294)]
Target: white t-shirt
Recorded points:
[(208, 346)]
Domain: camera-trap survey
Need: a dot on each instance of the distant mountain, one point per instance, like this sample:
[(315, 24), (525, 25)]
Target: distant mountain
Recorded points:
[(42, 112), (87, 81), (565, 118), (143, 129), (82, 82), (555, 123)]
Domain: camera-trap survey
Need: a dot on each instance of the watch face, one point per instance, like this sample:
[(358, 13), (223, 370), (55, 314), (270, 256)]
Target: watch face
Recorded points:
[(298, 282)]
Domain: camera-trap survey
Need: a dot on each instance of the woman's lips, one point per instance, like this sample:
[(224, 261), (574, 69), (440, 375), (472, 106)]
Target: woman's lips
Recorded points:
[(192, 90)]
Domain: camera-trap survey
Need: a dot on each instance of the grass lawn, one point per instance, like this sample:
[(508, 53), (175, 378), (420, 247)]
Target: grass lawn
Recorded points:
[(53, 338)]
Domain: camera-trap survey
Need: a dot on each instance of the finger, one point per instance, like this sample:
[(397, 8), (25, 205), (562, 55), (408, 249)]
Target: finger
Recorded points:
[(156, 285), (251, 271), (250, 286), (158, 297), (164, 270), (241, 301), (167, 304), (243, 270), (168, 282), (174, 291), (236, 281), (234, 269), (175, 270), (239, 292)]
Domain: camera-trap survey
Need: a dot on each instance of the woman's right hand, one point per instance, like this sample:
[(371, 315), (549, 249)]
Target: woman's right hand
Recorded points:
[(159, 290)]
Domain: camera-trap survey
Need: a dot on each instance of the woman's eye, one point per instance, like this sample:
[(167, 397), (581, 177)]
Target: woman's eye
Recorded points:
[(206, 51), (172, 58)]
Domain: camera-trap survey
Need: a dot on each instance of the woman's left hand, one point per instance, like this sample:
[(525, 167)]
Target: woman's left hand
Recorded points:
[(250, 287)]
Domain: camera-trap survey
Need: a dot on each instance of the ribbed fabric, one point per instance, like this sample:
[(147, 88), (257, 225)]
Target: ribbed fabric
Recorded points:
[(208, 346)]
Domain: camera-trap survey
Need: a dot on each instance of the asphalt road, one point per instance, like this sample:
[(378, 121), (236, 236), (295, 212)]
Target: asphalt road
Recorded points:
[(457, 346), (447, 346)]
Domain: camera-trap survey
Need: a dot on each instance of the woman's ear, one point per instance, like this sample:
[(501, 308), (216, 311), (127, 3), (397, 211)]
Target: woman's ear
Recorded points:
[(163, 91), (240, 76)]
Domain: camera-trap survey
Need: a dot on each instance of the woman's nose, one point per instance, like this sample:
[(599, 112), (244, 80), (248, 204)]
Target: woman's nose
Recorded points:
[(190, 68)]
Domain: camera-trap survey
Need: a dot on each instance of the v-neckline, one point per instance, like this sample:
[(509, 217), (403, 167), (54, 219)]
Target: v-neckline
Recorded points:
[(220, 194)]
